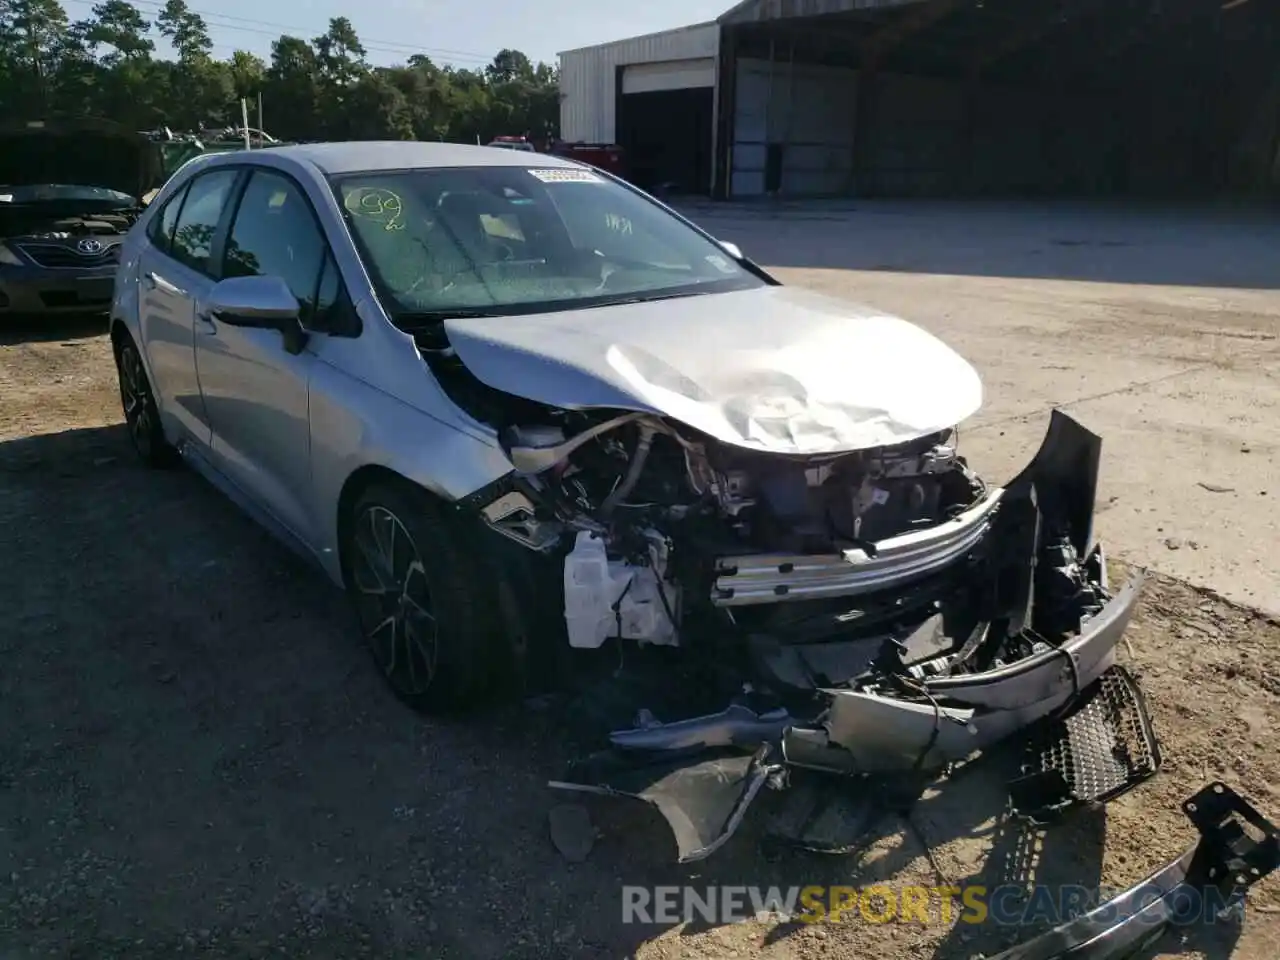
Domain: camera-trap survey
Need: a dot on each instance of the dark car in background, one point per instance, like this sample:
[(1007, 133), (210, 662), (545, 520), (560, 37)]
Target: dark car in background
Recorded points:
[(69, 192)]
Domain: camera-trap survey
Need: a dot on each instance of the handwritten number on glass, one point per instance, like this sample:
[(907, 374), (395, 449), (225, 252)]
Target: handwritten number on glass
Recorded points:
[(376, 204)]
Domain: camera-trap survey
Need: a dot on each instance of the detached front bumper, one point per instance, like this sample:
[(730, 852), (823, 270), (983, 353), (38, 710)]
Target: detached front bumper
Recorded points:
[(38, 290), (1237, 848)]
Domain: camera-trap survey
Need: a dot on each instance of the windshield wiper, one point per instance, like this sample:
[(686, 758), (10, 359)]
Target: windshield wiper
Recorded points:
[(435, 316), (647, 298)]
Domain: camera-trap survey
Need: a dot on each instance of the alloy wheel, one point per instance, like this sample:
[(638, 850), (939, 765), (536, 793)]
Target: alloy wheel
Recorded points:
[(393, 600), (135, 397)]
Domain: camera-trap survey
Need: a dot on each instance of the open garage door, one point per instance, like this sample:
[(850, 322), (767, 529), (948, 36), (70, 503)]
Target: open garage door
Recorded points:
[(665, 124), (1176, 98)]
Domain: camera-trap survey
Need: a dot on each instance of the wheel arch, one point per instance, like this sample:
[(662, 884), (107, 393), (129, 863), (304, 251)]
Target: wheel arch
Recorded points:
[(360, 480), (118, 331)]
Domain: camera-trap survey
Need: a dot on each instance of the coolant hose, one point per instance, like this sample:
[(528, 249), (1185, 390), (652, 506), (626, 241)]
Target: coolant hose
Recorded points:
[(623, 490)]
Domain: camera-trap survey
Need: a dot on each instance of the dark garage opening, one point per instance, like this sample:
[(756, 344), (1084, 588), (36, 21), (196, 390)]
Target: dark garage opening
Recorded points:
[(1017, 98), (666, 135)]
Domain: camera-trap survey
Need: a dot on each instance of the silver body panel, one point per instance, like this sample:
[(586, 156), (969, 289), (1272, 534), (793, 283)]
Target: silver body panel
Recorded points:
[(287, 432), (777, 369)]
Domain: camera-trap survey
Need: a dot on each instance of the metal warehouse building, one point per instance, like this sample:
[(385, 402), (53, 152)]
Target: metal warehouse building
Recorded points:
[(943, 98)]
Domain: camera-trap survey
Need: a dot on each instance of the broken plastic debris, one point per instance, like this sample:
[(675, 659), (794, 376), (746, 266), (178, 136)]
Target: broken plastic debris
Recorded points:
[(572, 831)]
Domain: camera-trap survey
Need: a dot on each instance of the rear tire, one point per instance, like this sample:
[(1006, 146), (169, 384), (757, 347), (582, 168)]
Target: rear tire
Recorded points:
[(141, 415), (426, 609)]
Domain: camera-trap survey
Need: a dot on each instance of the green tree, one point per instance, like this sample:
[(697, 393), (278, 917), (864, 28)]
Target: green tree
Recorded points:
[(248, 74), (33, 37), (106, 65), (199, 88), (118, 25), (187, 31), (340, 55), (508, 66), (374, 109), (292, 89)]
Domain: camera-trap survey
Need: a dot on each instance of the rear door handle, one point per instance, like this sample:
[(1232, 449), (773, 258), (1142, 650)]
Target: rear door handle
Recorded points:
[(149, 280)]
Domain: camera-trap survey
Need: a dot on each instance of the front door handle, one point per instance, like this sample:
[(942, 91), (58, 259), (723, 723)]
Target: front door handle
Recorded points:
[(153, 281)]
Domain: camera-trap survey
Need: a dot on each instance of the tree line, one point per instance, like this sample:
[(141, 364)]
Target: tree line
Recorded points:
[(318, 89)]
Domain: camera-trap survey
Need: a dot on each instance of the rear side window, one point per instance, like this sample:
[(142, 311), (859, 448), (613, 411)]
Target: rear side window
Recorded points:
[(198, 220), (275, 234), (161, 231)]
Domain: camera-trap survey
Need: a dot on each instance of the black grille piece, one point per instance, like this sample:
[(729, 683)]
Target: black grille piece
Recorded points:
[(69, 299), (62, 256), (1103, 747)]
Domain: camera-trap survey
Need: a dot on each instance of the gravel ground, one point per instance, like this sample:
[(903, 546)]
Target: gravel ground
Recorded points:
[(199, 760)]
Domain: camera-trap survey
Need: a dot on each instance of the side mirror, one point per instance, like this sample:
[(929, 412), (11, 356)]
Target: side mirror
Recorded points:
[(260, 303), (732, 249)]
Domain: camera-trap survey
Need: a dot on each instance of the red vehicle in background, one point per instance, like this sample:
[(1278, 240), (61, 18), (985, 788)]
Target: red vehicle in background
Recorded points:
[(607, 156)]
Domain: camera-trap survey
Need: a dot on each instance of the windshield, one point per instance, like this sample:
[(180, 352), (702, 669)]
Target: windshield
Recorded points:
[(42, 192), (510, 240)]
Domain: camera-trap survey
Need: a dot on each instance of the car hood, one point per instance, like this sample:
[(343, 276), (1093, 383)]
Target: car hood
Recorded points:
[(83, 153), (775, 369)]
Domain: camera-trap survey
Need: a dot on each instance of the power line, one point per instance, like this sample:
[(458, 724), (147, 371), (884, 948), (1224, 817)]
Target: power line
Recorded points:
[(377, 46)]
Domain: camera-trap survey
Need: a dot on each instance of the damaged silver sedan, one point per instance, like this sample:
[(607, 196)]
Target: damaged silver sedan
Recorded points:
[(521, 411)]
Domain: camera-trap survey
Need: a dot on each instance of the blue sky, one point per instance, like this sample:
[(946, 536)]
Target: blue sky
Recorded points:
[(466, 33)]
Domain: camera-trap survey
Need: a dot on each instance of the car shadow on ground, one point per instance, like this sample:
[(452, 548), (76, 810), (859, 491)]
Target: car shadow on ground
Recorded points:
[(198, 755), (1131, 243), (26, 328)]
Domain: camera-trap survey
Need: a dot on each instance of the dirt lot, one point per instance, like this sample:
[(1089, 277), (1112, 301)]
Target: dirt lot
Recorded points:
[(197, 759)]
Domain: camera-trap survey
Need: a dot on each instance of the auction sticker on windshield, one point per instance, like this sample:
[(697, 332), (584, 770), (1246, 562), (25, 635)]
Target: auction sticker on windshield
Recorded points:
[(553, 175)]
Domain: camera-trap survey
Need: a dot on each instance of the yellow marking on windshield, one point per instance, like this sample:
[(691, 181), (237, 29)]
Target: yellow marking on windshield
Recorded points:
[(377, 204)]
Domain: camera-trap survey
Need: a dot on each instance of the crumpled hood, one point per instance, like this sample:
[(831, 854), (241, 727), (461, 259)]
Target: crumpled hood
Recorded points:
[(776, 369)]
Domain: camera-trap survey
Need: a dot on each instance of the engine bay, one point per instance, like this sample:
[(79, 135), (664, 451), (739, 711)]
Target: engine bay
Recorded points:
[(39, 224), (871, 566)]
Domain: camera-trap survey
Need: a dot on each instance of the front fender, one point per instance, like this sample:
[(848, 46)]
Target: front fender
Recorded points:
[(354, 426)]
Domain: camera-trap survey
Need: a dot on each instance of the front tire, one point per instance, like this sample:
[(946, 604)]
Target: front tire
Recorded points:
[(422, 602), (141, 415)]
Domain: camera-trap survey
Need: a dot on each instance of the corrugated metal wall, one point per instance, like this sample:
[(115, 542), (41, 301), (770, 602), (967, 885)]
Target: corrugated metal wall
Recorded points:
[(806, 113), (588, 76)]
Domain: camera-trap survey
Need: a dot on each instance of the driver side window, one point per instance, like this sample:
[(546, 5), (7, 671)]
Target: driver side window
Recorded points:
[(275, 233)]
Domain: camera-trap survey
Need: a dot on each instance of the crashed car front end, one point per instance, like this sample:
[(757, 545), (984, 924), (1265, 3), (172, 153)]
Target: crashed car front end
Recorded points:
[(933, 618), (905, 653), (817, 540)]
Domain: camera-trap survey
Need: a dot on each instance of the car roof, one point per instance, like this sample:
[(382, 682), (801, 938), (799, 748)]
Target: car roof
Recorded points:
[(366, 155)]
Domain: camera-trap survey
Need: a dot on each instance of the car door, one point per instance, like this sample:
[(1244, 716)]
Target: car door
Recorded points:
[(175, 271), (254, 391)]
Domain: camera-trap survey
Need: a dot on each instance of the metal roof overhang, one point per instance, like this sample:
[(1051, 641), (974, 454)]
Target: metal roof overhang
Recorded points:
[(761, 11)]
